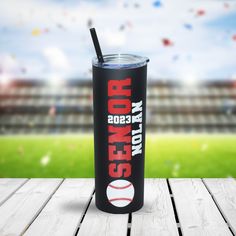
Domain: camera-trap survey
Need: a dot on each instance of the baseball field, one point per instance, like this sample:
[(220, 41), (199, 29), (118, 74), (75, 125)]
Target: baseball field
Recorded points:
[(72, 156)]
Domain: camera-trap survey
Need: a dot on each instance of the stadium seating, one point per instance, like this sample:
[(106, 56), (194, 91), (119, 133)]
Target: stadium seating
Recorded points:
[(33, 106)]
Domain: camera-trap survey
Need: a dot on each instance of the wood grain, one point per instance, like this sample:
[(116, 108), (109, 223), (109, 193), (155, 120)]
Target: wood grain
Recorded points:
[(55, 207), (224, 193), (8, 187), (157, 215), (98, 223), (198, 214), (62, 215), (17, 213)]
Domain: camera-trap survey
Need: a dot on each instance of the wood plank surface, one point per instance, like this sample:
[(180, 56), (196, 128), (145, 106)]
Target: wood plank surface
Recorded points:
[(52, 207), (198, 214), (157, 215), (17, 213), (98, 223), (224, 193), (8, 187), (62, 214)]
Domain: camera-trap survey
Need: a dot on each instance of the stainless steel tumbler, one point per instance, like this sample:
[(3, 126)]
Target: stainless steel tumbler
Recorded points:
[(119, 98)]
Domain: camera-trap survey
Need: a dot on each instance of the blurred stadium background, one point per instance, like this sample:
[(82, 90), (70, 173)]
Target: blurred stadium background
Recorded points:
[(34, 107), (46, 109)]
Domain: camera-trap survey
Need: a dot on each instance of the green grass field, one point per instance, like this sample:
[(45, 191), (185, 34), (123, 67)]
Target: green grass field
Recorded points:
[(72, 156)]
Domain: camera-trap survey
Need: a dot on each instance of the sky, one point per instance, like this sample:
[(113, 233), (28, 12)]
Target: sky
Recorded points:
[(184, 39)]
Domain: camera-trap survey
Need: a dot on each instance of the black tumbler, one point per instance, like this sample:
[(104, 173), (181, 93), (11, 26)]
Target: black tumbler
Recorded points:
[(119, 103)]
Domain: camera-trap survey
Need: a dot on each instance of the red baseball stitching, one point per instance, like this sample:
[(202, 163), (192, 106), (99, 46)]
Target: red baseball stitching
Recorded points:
[(121, 198), (112, 186)]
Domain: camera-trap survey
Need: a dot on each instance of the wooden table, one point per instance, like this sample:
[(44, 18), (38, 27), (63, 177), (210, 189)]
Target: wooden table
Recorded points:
[(66, 207)]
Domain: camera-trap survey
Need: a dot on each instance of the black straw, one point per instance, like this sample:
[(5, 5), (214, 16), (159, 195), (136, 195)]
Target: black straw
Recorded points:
[(96, 45)]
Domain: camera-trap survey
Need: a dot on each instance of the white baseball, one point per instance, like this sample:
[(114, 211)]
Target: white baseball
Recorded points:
[(120, 192)]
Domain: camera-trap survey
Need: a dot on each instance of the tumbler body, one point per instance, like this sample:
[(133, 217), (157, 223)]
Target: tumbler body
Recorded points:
[(119, 105)]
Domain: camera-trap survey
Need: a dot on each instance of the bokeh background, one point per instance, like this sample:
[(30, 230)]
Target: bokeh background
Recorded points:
[(46, 124)]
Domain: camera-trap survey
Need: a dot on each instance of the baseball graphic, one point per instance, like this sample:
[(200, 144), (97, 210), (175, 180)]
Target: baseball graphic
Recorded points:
[(120, 192)]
